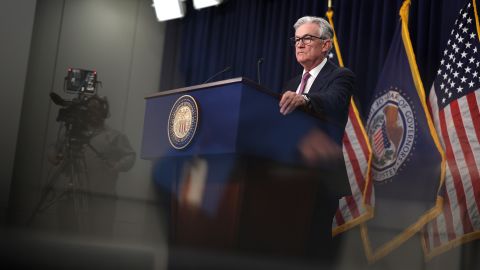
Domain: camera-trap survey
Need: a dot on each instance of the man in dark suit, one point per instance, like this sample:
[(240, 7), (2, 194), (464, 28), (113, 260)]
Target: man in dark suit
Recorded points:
[(324, 89)]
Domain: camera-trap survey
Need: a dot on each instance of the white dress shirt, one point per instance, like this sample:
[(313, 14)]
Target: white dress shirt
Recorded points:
[(313, 75)]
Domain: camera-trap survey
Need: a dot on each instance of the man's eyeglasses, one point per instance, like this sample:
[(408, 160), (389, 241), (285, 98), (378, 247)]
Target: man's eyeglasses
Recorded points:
[(306, 40)]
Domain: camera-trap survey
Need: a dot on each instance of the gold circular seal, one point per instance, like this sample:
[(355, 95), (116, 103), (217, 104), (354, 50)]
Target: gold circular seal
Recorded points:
[(182, 122)]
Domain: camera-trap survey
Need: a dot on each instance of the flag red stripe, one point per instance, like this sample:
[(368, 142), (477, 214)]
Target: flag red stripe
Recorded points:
[(448, 215), (467, 151), (467, 225), (354, 162), (351, 203), (339, 217), (359, 134), (475, 114)]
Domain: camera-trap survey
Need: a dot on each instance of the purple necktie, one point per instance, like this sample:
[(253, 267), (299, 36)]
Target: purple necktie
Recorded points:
[(304, 83)]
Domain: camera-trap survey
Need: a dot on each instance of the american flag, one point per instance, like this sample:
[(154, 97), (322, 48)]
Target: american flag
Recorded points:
[(454, 100), (353, 210)]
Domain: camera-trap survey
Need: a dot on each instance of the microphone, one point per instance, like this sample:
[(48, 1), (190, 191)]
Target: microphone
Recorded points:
[(259, 63), (218, 73)]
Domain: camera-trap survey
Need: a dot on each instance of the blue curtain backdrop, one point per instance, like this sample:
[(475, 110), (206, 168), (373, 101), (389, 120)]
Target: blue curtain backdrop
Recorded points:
[(240, 32)]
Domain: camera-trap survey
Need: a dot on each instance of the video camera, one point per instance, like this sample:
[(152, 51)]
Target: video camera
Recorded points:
[(75, 113)]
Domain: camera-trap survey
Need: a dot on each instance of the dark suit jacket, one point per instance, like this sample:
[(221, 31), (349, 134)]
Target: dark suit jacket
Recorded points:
[(330, 95)]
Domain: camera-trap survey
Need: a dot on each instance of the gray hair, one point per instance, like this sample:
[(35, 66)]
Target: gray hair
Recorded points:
[(326, 30)]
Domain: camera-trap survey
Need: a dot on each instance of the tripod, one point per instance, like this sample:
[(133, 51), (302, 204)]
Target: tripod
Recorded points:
[(69, 181)]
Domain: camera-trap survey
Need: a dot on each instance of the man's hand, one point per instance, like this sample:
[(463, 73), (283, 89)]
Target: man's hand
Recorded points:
[(290, 101), (317, 148)]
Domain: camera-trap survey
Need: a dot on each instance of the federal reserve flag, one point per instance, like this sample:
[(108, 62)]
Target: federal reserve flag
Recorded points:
[(407, 160), (454, 100)]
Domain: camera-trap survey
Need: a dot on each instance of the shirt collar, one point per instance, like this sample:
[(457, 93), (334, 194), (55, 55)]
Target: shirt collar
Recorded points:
[(314, 72)]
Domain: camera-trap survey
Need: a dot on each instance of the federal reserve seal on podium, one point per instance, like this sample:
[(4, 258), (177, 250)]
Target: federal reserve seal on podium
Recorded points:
[(182, 122)]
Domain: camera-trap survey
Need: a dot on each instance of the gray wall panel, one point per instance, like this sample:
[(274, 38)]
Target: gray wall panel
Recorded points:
[(16, 24), (36, 106)]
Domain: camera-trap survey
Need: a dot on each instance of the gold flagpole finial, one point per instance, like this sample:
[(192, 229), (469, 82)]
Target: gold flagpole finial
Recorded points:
[(404, 10)]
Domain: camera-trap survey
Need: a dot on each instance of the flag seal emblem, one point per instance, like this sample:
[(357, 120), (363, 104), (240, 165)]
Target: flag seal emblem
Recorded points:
[(391, 128), (182, 122)]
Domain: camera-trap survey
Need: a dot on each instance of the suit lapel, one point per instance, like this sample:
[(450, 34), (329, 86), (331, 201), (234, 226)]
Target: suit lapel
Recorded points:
[(318, 84)]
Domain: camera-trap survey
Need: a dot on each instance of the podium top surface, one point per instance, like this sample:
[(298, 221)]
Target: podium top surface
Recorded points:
[(214, 84)]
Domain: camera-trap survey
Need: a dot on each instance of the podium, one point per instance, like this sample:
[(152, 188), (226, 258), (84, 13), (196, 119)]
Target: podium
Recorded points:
[(237, 181)]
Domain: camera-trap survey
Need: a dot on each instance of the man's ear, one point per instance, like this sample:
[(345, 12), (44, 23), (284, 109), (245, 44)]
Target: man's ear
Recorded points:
[(328, 45)]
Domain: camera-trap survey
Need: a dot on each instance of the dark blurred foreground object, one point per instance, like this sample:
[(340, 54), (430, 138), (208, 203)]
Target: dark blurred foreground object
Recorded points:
[(318, 149), (29, 251), (262, 207), (185, 258), (242, 185)]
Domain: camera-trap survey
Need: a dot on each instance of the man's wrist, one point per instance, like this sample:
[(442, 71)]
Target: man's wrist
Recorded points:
[(306, 99)]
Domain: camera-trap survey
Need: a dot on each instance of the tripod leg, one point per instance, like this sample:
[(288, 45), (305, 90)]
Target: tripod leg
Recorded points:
[(79, 188), (48, 190)]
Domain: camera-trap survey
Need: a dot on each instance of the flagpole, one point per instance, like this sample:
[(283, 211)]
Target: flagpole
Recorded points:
[(356, 121), (404, 12), (335, 41), (476, 18), (357, 114)]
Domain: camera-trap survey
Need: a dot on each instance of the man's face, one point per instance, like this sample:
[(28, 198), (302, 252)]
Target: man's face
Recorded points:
[(310, 55)]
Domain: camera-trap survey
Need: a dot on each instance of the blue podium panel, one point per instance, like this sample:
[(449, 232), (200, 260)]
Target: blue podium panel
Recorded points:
[(218, 109), (234, 117)]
